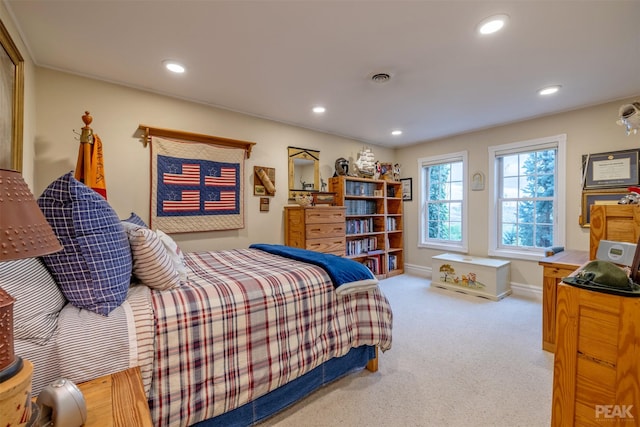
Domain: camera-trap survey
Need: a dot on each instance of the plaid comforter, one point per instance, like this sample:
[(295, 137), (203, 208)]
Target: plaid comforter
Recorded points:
[(246, 323)]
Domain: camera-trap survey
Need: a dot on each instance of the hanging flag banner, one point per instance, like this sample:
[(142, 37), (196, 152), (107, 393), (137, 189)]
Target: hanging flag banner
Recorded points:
[(90, 164), (196, 186)]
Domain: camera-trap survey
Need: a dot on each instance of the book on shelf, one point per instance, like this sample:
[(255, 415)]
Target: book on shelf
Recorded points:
[(374, 263), (375, 252), (392, 224), (359, 226), (393, 262), (362, 246), (361, 207), (359, 188)]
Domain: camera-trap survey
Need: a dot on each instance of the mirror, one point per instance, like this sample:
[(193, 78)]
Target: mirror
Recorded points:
[(304, 171)]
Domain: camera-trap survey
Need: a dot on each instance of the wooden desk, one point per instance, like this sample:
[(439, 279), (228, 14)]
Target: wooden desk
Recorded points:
[(116, 400), (555, 268)]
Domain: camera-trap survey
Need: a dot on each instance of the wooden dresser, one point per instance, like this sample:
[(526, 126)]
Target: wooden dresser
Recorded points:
[(317, 228), (596, 375), (596, 378)]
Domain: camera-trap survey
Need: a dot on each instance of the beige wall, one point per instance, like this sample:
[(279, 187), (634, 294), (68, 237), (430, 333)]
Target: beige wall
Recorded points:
[(58, 100), (589, 130), (117, 111)]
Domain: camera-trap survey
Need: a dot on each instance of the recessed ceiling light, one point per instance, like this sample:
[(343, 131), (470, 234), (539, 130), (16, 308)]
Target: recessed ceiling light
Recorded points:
[(492, 24), (549, 90), (173, 66), (319, 110), (396, 132)]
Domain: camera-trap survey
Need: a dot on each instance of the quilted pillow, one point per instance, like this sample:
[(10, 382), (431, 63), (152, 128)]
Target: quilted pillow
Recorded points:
[(94, 268), (38, 299), (152, 264)]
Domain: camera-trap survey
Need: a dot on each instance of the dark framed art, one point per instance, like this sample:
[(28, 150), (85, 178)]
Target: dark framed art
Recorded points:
[(11, 102), (407, 188), (603, 197), (608, 170), (264, 204)]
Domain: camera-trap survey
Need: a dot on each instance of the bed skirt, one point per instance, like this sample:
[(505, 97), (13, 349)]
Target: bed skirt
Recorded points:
[(285, 396)]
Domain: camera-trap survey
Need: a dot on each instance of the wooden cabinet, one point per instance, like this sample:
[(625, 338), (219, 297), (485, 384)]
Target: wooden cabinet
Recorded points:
[(374, 222), (596, 377), (555, 268), (317, 228), (620, 223)]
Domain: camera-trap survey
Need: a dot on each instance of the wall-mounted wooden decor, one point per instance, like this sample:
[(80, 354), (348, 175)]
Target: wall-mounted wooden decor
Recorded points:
[(264, 181)]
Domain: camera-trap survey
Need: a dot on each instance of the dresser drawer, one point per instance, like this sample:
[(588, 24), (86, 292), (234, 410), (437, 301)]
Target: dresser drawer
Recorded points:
[(330, 246), (324, 215), (319, 231)]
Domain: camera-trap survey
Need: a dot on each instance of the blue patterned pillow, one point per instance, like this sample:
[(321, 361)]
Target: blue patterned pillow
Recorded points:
[(94, 268)]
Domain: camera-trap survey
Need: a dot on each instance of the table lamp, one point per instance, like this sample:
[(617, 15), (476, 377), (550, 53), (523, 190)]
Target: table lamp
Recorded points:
[(24, 233)]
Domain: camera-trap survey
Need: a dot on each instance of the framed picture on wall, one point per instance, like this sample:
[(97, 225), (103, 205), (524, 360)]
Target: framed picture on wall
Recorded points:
[(613, 169), (11, 102), (407, 189), (603, 197)]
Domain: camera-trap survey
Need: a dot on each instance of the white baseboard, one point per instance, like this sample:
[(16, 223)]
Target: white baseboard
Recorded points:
[(417, 270), (526, 291), (522, 290)]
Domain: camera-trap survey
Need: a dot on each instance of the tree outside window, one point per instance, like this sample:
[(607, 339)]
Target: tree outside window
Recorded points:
[(528, 189), (528, 197), (443, 216)]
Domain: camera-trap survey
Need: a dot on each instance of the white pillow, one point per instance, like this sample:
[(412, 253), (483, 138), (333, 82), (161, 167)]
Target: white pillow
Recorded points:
[(38, 299), (152, 263), (176, 255)]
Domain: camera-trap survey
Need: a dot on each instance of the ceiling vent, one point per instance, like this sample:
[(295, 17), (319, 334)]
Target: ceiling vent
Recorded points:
[(380, 77)]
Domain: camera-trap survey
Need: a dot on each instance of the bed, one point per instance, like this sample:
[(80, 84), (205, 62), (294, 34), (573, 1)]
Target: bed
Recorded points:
[(221, 338)]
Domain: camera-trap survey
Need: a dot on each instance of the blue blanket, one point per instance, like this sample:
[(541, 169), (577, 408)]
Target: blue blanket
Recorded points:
[(347, 276)]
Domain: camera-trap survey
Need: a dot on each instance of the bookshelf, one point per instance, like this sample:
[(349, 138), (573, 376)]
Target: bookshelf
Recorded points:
[(374, 222)]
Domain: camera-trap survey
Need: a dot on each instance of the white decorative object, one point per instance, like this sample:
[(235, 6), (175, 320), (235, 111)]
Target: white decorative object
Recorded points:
[(365, 164), (630, 117), (484, 277), (477, 181)]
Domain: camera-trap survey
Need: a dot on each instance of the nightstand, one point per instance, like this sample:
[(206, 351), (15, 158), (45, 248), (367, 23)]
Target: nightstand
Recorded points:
[(116, 400)]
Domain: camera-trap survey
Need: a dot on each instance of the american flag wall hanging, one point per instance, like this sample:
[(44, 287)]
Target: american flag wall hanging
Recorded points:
[(196, 186)]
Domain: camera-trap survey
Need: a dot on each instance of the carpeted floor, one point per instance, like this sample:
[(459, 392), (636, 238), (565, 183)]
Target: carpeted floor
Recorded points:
[(456, 360)]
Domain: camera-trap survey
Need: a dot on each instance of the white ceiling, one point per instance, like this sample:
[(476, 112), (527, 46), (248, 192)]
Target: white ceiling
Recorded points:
[(278, 59)]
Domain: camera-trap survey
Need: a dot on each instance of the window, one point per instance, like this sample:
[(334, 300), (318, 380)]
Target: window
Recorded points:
[(527, 190), (443, 195)]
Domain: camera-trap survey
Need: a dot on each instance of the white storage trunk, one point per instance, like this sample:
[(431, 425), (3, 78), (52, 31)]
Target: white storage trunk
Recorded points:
[(485, 277)]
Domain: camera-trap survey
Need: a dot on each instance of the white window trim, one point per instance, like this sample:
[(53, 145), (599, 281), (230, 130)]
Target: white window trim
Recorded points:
[(560, 193), (463, 246)]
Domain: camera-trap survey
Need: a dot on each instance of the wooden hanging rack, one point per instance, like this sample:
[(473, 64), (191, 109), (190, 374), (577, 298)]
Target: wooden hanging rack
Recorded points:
[(86, 135), (150, 131)]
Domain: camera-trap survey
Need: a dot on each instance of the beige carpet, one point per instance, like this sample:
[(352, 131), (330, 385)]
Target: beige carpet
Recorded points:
[(456, 360)]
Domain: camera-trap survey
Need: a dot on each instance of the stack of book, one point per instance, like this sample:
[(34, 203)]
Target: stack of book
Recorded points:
[(361, 246)]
